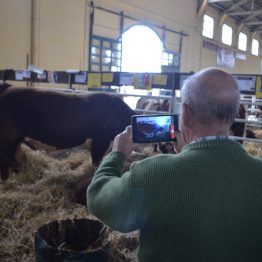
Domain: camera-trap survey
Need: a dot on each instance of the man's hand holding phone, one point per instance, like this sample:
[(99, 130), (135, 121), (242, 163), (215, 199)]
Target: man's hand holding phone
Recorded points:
[(123, 142)]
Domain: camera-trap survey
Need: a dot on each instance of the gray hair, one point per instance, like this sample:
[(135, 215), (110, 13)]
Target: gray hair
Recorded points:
[(212, 96)]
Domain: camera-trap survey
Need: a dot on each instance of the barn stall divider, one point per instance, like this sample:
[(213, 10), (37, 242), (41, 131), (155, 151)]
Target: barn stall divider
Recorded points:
[(165, 83)]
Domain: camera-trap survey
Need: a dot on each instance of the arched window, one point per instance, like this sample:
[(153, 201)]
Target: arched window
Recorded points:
[(141, 50)]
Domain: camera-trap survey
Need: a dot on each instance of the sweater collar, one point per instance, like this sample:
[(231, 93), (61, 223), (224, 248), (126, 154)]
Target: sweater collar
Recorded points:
[(209, 138), (213, 143)]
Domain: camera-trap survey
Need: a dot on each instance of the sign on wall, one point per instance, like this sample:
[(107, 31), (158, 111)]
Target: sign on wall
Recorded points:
[(259, 87), (225, 57)]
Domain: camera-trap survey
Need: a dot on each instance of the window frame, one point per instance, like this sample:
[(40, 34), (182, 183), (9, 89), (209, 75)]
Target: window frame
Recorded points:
[(252, 43), (105, 54), (203, 26), (238, 45), (222, 35)]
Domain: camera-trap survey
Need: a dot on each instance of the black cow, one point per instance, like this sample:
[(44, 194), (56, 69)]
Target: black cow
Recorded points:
[(59, 119)]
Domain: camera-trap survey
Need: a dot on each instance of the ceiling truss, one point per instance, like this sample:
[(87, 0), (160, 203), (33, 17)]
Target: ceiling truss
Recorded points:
[(246, 13)]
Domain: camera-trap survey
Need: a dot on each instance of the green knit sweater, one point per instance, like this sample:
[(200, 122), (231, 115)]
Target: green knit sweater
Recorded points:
[(203, 204)]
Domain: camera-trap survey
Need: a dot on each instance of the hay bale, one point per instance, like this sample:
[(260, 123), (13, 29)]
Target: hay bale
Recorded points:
[(42, 188), (254, 149)]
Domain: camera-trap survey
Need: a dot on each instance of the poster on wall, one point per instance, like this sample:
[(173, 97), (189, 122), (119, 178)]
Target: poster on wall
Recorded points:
[(94, 80), (225, 57), (259, 87), (142, 81)]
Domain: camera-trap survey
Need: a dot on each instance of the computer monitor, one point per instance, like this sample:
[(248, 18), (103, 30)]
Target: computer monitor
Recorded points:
[(60, 77), (80, 78), (180, 79), (23, 75), (7, 74), (246, 83), (39, 76)]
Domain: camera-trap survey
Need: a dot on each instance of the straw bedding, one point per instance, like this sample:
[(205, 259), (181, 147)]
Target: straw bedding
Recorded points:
[(255, 149), (42, 188)]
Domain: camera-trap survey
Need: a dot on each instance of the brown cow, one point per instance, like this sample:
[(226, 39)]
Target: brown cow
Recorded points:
[(59, 119), (238, 129), (152, 104)]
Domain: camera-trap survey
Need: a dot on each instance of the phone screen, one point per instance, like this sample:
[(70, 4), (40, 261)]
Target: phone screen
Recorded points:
[(154, 128)]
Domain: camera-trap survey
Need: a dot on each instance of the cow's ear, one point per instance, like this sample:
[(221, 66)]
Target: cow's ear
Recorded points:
[(165, 105), (241, 111)]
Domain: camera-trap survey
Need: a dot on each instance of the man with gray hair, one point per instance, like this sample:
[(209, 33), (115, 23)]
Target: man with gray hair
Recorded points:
[(211, 97), (201, 205)]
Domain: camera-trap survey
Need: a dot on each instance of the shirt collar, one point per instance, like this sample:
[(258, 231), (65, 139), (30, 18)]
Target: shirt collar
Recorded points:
[(208, 138)]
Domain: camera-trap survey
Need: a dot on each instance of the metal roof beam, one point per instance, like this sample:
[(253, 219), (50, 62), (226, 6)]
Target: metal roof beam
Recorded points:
[(250, 17), (240, 13), (215, 1), (222, 20), (258, 28), (202, 8), (252, 4), (236, 5), (254, 23), (240, 27), (253, 34)]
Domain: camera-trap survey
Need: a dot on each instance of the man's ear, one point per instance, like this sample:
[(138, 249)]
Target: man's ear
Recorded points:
[(187, 116)]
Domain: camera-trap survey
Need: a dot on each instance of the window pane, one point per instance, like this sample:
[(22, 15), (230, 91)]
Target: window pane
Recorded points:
[(165, 62), (114, 69), (208, 26), (165, 55), (93, 50), (106, 44), (255, 47), (227, 33), (96, 42), (108, 53), (242, 42), (95, 68), (142, 50), (107, 60)]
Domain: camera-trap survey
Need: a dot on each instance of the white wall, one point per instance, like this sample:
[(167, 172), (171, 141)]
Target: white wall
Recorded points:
[(60, 31), (15, 31)]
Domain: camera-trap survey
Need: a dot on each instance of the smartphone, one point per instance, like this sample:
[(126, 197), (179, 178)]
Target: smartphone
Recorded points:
[(154, 128)]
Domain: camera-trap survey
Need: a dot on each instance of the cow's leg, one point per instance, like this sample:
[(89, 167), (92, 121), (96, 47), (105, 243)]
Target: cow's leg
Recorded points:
[(8, 156), (98, 148), (4, 172), (80, 195)]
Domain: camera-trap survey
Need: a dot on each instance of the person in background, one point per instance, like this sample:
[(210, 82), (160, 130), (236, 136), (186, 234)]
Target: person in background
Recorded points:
[(201, 205)]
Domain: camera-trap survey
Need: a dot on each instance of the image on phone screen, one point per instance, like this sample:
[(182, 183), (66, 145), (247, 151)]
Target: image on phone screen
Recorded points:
[(154, 128)]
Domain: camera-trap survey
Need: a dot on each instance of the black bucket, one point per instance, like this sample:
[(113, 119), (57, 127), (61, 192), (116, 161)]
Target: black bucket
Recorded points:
[(71, 241)]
